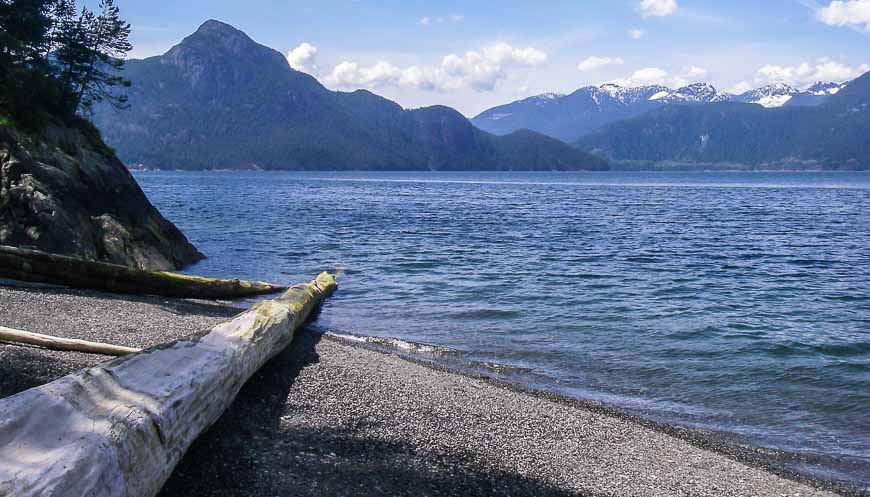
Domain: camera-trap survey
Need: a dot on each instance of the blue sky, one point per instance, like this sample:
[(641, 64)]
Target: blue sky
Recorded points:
[(475, 54)]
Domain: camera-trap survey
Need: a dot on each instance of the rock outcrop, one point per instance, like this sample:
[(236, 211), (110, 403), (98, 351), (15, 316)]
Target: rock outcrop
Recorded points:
[(65, 192)]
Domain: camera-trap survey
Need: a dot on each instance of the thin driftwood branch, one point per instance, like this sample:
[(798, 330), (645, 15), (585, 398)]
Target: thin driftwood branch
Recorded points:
[(65, 344), (120, 428), (41, 267)]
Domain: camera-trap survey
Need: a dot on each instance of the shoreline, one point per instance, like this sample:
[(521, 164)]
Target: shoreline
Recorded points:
[(98, 315), (722, 442)]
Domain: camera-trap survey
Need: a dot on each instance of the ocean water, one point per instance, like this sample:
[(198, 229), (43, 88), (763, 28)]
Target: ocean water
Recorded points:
[(735, 302)]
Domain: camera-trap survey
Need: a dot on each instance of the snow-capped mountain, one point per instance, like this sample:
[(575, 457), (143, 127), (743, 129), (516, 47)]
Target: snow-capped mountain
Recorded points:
[(775, 95), (627, 96), (831, 135), (822, 89), (695, 94), (780, 94), (567, 117)]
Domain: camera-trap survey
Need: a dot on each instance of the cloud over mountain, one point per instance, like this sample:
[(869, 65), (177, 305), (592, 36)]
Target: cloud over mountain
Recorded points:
[(823, 69), (593, 62), (302, 58), (480, 70)]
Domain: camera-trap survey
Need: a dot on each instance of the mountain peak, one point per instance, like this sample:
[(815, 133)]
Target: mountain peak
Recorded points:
[(221, 55), (218, 35), (213, 25)]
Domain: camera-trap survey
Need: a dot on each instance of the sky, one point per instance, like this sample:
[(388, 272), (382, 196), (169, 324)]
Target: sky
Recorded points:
[(475, 54)]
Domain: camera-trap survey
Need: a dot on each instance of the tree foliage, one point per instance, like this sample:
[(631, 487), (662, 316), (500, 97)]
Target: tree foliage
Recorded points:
[(57, 61)]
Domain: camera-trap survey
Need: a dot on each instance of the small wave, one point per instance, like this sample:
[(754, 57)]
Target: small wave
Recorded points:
[(486, 314), (837, 350), (397, 344), (446, 356)]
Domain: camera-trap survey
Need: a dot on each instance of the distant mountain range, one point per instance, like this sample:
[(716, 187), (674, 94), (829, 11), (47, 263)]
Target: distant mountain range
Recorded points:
[(218, 100), (568, 117), (833, 132)]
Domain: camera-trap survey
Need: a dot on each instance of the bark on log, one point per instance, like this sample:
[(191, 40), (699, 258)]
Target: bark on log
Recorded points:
[(119, 429), (9, 335), (42, 267)]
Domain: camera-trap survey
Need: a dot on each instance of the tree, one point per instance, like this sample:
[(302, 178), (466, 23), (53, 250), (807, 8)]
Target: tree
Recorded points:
[(104, 41), (25, 74), (24, 26), (56, 62)]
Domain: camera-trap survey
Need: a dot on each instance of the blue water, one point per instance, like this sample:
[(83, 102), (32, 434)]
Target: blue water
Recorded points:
[(738, 302)]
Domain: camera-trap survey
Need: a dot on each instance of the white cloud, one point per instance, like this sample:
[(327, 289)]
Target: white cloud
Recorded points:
[(824, 69), (644, 77), (302, 58), (480, 70), (351, 74), (657, 76), (636, 34), (658, 8), (593, 62), (694, 74), (846, 13), (740, 88), (428, 21)]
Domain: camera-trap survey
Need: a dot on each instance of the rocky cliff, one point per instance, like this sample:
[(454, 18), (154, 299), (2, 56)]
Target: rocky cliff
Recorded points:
[(65, 192)]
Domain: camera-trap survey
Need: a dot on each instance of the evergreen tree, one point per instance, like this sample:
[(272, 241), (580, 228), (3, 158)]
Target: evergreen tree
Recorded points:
[(56, 62), (105, 43), (24, 26)]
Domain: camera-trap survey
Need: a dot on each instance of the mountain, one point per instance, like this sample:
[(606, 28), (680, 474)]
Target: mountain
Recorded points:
[(220, 100), (780, 94), (698, 93), (568, 117), (834, 134)]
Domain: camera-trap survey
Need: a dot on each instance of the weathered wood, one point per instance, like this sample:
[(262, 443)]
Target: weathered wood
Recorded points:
[(10, 335), (119, 429), (42, 267)]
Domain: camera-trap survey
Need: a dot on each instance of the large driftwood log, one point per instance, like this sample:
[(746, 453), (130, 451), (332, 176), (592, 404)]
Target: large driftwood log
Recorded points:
[(41, 267), (119, 429), (57, 343)]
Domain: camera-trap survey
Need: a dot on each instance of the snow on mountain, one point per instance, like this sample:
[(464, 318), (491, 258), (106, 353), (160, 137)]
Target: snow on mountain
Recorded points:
[(570, 116), (775, 95), (660, 95), (695, 93), (822, 89), (628, 96), (780, 94)]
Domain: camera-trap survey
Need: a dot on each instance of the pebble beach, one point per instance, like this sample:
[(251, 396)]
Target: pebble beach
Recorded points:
[(330, 417)]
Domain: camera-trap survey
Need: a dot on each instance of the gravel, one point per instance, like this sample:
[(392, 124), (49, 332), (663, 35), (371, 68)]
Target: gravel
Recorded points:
[(331, 418)]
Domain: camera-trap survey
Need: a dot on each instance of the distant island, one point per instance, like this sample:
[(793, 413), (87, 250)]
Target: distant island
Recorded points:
[(219, 100)]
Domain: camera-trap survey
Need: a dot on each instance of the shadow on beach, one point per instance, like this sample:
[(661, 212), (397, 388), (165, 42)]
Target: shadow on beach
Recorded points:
[(256, 449)]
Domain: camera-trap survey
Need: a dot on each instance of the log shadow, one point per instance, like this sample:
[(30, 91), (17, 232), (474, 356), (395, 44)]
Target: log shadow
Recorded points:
[(183, 307), (248, 452), (23, 368)]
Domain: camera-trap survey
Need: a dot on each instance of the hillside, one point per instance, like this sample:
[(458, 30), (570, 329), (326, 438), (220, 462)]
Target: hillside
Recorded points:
[(218, 100), (569, 117), (832, 135)]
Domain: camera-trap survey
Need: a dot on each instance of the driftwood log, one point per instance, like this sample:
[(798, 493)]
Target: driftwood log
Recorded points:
[(41, 267), (68, 344), (120, 428)]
